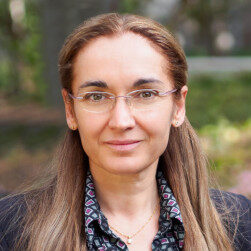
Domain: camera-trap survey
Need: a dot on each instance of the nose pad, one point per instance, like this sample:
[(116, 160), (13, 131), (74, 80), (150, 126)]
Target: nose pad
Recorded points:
[(121, 115), (127, 101)]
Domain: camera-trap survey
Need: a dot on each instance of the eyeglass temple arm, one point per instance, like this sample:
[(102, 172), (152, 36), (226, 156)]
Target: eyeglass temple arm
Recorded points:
[(165, 93), (74, 96)]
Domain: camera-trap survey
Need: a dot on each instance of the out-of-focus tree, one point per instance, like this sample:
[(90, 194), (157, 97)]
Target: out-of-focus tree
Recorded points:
[(213, 25), (20, 60), (8, 40), (206, 13), (58, 18), (11, 32), (206, 27)]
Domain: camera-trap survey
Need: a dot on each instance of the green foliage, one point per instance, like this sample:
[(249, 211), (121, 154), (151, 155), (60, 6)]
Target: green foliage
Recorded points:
[(228, 146), (128, 6), (32, 51), (213, 97), (21, 65)]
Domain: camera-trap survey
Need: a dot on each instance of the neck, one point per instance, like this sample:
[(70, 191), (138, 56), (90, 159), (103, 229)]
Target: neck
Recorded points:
[(126, 196)]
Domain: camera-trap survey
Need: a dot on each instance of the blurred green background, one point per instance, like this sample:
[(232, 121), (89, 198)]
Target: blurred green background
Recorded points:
[(216, 37)]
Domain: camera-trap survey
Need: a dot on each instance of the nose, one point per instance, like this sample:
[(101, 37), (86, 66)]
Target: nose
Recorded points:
[(121, 117)]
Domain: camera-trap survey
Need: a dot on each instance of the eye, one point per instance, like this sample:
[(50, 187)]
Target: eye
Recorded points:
[(95, 96), (146, 94)]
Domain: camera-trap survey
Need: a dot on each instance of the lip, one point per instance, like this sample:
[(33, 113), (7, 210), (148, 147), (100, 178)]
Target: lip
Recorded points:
[(123, 145)]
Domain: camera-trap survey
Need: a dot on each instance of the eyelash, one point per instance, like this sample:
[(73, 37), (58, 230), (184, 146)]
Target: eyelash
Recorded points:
[(153, 92), (88, 95)]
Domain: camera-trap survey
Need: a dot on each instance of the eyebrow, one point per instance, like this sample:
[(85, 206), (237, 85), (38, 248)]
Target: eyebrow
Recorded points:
[(102, 84)]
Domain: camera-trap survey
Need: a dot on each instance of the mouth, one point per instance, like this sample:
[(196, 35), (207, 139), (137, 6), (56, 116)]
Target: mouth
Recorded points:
[(123, 145)]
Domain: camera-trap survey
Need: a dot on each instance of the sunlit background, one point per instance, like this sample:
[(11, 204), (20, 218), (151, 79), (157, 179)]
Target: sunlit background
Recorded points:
[(215, 34)]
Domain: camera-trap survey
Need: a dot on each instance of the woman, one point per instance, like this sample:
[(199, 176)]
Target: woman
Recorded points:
[(130, 174)]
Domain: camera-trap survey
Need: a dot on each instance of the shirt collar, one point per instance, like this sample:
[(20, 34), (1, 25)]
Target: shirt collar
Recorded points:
[(167, 198), (170, 216), (93, 213)]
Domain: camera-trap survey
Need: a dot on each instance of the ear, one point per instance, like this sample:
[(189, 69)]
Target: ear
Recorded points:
[(69, 110), (180, 108)]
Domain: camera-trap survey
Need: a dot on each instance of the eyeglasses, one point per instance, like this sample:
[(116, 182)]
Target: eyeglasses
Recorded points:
[(99, 102)]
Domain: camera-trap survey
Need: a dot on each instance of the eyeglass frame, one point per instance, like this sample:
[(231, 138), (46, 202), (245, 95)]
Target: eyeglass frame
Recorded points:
[(121, 96)]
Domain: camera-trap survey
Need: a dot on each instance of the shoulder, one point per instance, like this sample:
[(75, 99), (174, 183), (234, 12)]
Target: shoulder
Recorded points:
[(236, 216), (236, 203), (12, 210)]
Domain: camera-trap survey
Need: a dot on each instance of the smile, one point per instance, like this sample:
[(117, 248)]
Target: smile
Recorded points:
[(123, 146)]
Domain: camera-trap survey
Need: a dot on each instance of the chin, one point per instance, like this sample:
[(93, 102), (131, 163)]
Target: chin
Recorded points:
[(125, 167)]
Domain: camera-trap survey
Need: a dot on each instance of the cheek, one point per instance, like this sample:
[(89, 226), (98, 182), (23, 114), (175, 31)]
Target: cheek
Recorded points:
[(157, 124), (90, 127)]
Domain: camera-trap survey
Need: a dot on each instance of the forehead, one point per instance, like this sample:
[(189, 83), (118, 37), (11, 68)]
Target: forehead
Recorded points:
[(119, 61)]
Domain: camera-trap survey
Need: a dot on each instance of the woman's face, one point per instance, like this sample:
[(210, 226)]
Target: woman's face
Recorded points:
[(120, 62)]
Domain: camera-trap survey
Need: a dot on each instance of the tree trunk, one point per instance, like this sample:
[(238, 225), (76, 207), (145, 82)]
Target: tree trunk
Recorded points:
[(58, 19)]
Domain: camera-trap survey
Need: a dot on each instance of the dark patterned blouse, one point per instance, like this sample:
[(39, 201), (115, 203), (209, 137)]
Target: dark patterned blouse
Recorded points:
[(99, 236)]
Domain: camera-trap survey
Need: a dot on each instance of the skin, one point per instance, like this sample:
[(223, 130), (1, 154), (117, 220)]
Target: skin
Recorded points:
[(125, 182)]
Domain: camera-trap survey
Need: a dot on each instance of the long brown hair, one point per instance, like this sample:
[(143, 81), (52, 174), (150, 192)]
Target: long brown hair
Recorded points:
[(55, 215)]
